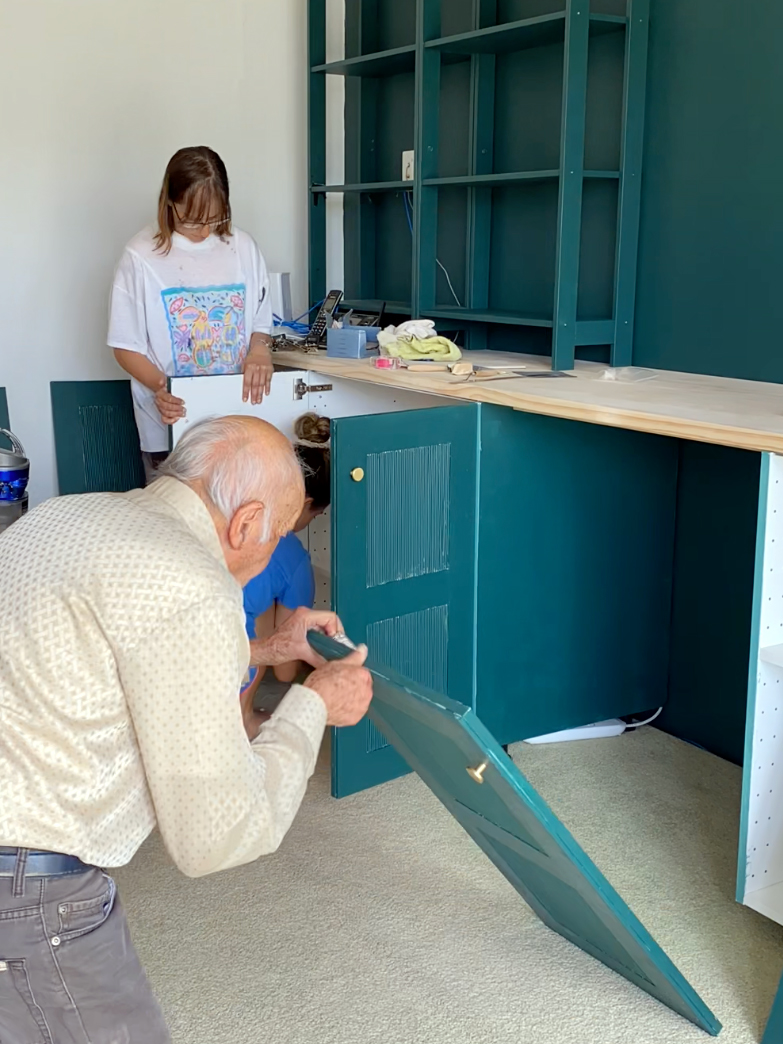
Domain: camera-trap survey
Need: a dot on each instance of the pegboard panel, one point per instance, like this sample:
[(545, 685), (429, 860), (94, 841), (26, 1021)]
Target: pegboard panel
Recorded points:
[(763, 797), (323, 589), (319, 534)]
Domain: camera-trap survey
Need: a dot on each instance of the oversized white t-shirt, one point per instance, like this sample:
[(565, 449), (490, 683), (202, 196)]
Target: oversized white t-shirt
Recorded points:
[(191, 311)]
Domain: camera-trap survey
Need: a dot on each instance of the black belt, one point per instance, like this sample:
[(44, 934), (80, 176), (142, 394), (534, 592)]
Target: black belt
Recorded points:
[(40, 864)]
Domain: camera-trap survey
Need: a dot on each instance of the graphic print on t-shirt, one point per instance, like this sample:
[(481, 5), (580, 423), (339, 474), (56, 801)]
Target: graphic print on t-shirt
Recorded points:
[(207, 327)]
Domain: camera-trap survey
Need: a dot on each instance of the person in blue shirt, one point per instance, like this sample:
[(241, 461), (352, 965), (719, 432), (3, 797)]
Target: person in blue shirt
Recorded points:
[(288, 580)]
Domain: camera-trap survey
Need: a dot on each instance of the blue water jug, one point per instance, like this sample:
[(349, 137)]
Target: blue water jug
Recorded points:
[(14, 469)]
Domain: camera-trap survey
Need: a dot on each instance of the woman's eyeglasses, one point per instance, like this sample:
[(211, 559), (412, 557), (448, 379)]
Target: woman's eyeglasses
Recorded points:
[(195, 225)]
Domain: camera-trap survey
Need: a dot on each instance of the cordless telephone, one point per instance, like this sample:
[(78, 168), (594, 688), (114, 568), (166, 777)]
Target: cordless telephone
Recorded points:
[(324, 318)]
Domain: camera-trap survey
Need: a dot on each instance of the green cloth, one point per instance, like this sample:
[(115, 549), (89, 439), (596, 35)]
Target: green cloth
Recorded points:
[(440, 348)]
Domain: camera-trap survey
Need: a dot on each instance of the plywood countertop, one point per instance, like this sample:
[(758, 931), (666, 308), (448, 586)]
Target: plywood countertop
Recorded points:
[(720, 410)]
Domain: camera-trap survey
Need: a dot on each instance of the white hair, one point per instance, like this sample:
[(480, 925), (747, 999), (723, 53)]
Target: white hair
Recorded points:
[(233, 468)]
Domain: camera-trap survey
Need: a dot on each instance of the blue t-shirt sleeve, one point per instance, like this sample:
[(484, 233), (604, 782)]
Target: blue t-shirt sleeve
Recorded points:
[(300, 589), (287, 579)]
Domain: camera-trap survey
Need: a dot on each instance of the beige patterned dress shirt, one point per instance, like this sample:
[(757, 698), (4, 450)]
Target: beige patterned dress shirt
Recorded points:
[(122, 651)]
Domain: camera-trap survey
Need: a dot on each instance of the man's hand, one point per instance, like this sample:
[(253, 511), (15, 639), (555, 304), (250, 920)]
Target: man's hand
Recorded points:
[(345, 686), (170, 408), (258, 370), (253, 720), (289, 642)]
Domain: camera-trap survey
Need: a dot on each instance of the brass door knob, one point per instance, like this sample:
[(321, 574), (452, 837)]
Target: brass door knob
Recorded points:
[(476, 772), (357, 474)]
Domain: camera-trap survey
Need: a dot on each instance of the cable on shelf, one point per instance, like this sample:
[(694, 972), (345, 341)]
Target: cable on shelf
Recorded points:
[(408, 204), (296, 325)]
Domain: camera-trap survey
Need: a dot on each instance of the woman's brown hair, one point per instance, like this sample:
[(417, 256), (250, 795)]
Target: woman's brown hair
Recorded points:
[(314, 434), (195, 180)]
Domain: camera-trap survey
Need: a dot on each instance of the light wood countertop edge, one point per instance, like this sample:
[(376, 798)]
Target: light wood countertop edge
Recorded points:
[(656, 423)]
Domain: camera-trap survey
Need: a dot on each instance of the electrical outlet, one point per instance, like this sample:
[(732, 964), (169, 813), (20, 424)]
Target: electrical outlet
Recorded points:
[(407, 165)]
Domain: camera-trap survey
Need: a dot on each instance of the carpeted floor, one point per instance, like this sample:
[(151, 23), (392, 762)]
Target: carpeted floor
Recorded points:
[(380, 922)]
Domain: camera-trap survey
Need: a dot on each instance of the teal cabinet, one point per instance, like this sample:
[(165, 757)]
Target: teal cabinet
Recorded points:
[(489, 554), (492, 556), (512, 575)]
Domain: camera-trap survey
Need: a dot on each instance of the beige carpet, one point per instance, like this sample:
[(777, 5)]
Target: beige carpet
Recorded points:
[(380, 921)]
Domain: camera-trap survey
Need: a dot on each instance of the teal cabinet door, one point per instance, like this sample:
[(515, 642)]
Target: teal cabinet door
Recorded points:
[(404, 494), (446, 744), (95, 437)]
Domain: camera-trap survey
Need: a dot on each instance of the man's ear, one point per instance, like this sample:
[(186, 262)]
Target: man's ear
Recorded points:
[(246, 525)]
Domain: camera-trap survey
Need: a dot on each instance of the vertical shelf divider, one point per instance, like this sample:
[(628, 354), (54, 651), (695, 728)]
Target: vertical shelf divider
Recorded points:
[(316, 148), (569, 210), (481, 161), (629, 202), (426, 133)]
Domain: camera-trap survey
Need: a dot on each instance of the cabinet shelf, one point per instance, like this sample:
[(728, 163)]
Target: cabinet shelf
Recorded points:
[(486, 315), (381, 63), (520, 35), (368, 305), (368, 187), (513, 178), (492, 179), (588, 331)]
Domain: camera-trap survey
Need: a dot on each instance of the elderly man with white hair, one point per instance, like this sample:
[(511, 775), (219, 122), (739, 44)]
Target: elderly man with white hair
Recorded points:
[(114, 605)]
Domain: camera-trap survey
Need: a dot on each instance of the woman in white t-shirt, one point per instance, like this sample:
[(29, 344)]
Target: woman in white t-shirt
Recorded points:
[(190, 297)]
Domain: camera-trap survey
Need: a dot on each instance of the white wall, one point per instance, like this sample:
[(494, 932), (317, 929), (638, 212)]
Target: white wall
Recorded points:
[(95, 95)]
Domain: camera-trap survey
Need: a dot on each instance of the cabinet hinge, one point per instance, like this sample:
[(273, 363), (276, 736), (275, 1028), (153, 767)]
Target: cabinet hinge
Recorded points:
[(301, 389)]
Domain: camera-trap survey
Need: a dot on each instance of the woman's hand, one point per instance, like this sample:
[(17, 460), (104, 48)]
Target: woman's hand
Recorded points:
[(257, 370), (170, 408), (141, 369)]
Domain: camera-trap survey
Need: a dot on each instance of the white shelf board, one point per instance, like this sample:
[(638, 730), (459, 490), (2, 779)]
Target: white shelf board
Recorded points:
[(767, 901), (772, 654)]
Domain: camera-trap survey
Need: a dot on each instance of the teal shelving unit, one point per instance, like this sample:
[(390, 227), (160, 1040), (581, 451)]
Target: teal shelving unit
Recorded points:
[(520, 229)]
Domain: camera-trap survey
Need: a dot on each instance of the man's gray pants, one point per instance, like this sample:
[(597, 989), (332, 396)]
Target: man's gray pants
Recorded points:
[(68, 970)]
